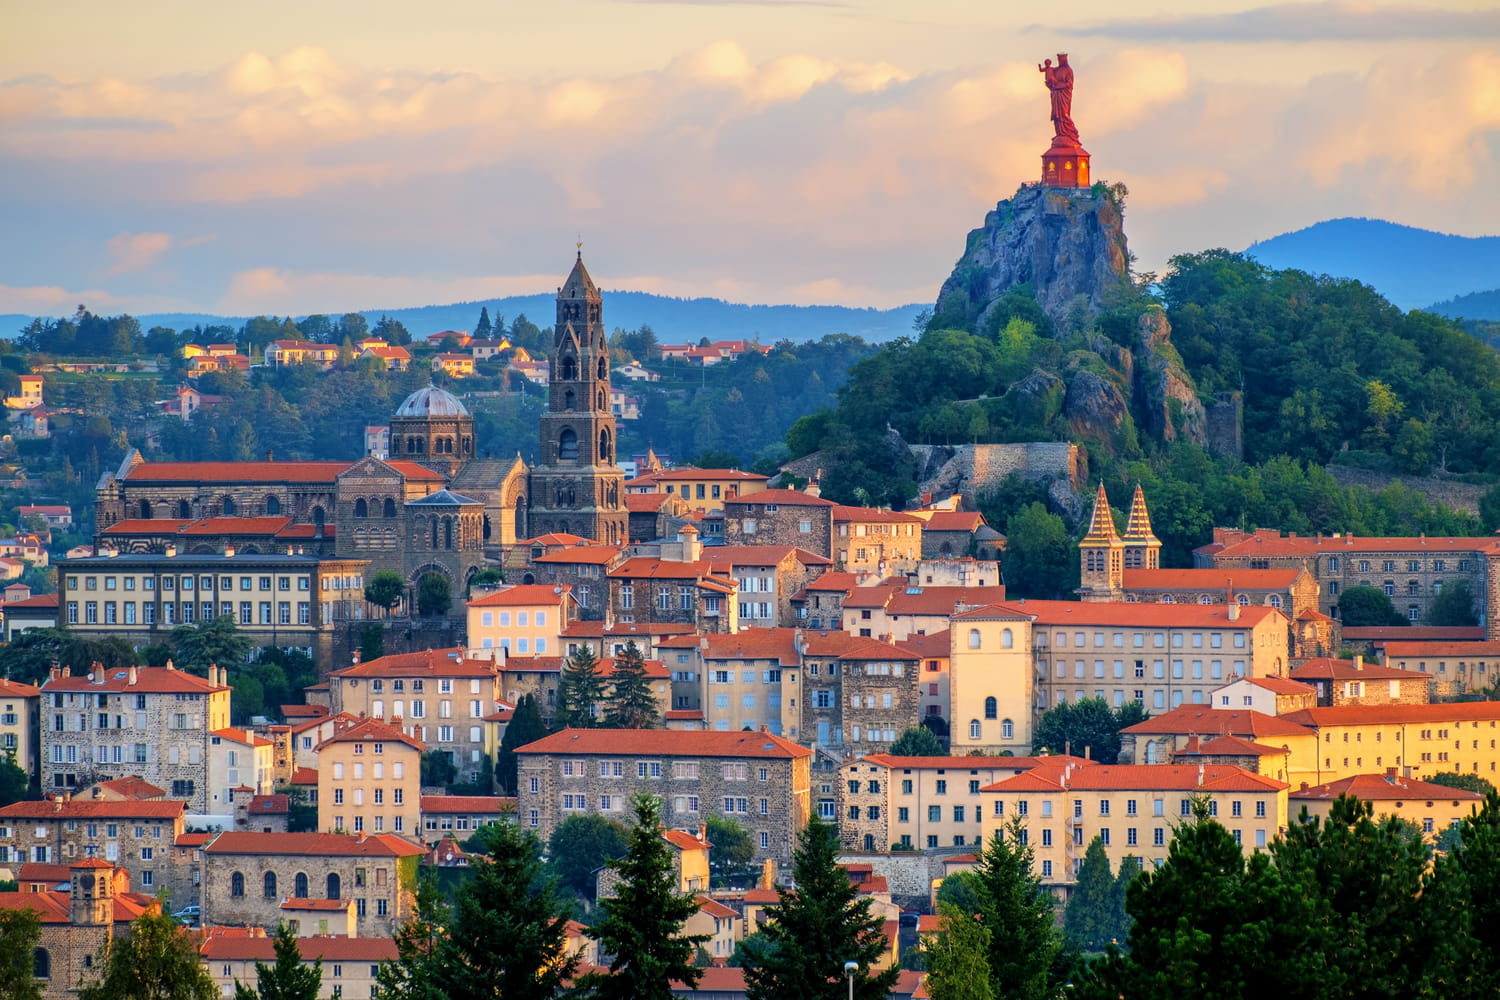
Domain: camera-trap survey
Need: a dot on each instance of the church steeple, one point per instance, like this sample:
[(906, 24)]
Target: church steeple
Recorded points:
[(1142, 547), (576, 486), (1101, 554)]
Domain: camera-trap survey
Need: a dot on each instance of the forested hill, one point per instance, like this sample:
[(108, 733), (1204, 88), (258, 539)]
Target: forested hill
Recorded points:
[(1412, 267), (675, 320), (1474, 306)]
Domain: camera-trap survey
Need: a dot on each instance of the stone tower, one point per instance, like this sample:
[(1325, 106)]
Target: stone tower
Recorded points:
[(433, 428), (576, 485), (1142, 547), (1101, 555), (93, 893)]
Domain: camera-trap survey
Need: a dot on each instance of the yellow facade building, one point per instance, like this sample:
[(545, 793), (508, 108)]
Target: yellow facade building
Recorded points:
[(1418, 740), (1432, 807), (991, 681), (703, 489), (19, 704), (1132, 808), (524, 620), (370, 781)]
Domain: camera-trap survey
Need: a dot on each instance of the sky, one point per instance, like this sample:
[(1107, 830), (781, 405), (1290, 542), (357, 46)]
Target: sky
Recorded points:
[(291, 157)]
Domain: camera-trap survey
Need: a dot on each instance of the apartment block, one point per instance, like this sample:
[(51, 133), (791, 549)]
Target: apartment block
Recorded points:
[(19, 708), (1453, 668), (370, 781), (136, 837), (767, 576), (757, 778), (858, 694), (1418, 740), (349, 964), (991, 680), (1160, 738), (1434, 808), (871, 540), (152, 722), (1132, 808), (897, 611), (750, 679), (526, 620), (238, 759)]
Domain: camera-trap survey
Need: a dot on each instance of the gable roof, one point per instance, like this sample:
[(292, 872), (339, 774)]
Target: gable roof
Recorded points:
[(450, 662), (1386, 787), (1374, 715), (760, 555), (1146, 777), (341, 845), (597, 555), (967, 521), (522, 595), (753, 644), (168, 809), (788, 498), (1017, 764), (1324, 668), (372, 731), (1200, 720), (148, 680), (844, 646), (1127, 614)]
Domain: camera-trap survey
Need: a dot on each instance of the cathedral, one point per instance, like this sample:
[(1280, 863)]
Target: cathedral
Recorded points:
[(432, 507)]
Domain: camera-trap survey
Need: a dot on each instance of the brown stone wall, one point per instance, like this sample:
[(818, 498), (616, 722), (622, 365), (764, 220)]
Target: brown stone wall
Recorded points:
[(862, 791), (782, 526), (867, 686), (371, 879)]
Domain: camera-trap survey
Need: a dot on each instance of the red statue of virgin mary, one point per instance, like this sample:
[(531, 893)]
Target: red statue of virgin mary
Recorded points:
[(1066, 164)]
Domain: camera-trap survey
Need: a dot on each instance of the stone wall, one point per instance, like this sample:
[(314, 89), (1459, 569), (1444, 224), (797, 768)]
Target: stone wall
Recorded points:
[(910, 876), (972, 469)]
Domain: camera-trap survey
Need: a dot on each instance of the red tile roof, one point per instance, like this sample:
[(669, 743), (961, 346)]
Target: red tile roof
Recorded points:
[(1146, 777), (1199, 720), (372, 731), (57, 907), (971, 763), (236, 472), (691, 474), (1466, 649), (714, 908), (1415, 633), (467, 804), (269, 805), (241, 736), (929, 646), (376, 845), (1211, 579), (226, 948), (555, 538), (967, 521), (326, 905), (1228, 746), (594, 555), (450, 662), (304, 776), (131, 787), (753, 644), (760, 555), (235, 526), (15, 689), (1322, 669), (146, 526), (1280, 685), (1385, 788), (930, 601), (1127, 614), (789, 498), (648, 568), (522, 595), (1267, 543), (647, 503), (1372, 715), (844, 646), (870, 515), (39, 601), (168, 809), (680, 743), (149, 680), (834, 582), (684, 841)]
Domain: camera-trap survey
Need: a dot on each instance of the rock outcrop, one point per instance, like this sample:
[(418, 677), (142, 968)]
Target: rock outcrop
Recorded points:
[(1167, 396), (1068, 244)]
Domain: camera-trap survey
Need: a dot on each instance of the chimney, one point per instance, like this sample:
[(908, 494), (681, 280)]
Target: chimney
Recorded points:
[(703, 832), (229, 552), (170, 664), (356, 657), (1233, 613), (170, 551), (1359, 661)]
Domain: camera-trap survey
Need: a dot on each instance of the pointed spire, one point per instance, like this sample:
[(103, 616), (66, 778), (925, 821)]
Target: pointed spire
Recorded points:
[(1102, 526), (1138, 525)]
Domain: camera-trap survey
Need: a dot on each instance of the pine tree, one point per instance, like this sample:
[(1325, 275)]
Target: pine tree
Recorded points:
[(810, 932), (1018, 912), (287, 978), (642, 925), (508, 936), (526, 726), (1463, 899), (632, 706), (414, 973), (158, 960), (580, 689), (483, 330), (1088, 920), (958, 965)]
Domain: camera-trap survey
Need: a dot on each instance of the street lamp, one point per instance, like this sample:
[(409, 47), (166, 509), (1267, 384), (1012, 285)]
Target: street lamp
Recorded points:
[(850, 968)]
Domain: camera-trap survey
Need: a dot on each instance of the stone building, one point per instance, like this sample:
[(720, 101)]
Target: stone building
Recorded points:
[(870, 540), (78, 925), (18, 723), (151, 722), (857, 694), (679, 587), (780, 517), (583, 568), (756, 778), (767, 576), (1454, 668), (136, 837), (1355, 682), (247, 876)]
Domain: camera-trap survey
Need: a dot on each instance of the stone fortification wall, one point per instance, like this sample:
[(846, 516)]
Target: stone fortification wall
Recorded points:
[(971, 469)]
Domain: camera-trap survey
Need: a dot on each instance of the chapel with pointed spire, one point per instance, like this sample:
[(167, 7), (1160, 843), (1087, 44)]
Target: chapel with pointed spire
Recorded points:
[(1101, 555), (576, 486)]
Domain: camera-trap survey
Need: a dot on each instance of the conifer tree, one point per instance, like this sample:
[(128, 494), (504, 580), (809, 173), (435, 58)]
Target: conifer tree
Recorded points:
[(413, 974), (642, 925), (811, 931), (1018, 912), (287, 978), (1463, 899), (580, 689), (526, 726), (508, 935), (483, 330), (958, 965), (632, 705), (1088, 920)]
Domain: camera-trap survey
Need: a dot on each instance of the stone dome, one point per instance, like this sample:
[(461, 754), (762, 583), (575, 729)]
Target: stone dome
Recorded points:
[(430, 401)]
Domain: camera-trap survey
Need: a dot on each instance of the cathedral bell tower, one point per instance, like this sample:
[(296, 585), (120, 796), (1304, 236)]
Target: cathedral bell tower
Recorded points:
[(576, 486)]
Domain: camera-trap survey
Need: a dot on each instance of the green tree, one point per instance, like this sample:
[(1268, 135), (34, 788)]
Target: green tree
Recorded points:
[(434, 595), (526, 726), (483, 330), (1019, 914), (508, 936), (385, 589), (218, 641), (642, 923), (20, 933), (580, 690), (1468, 782), (438, 769), (13, 779), (1453, 606), (958, 966), (286, 979), (1040, 560), (1088, 726), (1360, 607), (631, 704), (580, 845), (371, 642), (1463, 899), (917, 741), (963, 890), (810, 932), (414, 973), (731, 849), (158, 960), (1093, 917)]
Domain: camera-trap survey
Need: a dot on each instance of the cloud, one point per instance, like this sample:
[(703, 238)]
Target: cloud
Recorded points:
[(54, 300), (1333, 20), (134, 252)]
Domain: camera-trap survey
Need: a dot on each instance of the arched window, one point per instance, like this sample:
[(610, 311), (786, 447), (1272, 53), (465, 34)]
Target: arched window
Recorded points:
[(486, 527), (1205, 599), (390, 507), (569, 368), (146, 510), (361, 509), (603, 403), (333, 885), (273, 505), (973, 638), (1007, 639), (974, 729), (299, 885), (1275, 600), (1243, 600), (567, 445), (603, 368), (41, 964), (447, 532), (237, 884), (229, 507), (184, 510), (604, 452), (991, 708), (468, 445), (434, 532), (270, 885), (568, 400), (1007, 730)]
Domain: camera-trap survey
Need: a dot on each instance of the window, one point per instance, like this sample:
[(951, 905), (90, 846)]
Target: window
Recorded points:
[(973, 638), (237, 884), (991, 707), (1007, 730), (974, 729)]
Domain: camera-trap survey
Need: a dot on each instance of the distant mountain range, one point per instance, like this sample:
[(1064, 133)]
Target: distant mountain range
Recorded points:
[(1413, 268), (674, 320)]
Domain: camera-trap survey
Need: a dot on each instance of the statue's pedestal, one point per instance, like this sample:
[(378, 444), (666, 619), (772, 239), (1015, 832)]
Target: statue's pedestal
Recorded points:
[(1066, 165)]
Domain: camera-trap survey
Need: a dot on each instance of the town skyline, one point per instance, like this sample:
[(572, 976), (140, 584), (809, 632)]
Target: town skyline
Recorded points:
[(760, 152)]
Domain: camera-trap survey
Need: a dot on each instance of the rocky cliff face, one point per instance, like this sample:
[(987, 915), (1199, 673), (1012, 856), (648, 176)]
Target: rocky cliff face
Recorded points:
[(1068, 244)]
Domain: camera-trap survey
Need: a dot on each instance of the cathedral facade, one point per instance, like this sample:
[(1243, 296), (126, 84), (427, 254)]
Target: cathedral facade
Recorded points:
[(433, 506)]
